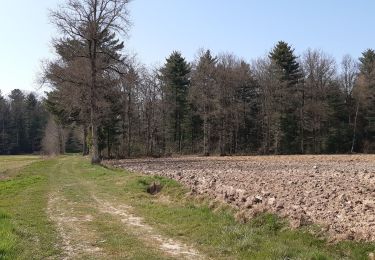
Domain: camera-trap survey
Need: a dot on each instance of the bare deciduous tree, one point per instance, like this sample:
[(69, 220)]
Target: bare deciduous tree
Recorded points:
[(320, 71), (348, 80)]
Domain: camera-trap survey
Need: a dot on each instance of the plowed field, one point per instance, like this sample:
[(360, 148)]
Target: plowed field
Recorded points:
[(337, 192)]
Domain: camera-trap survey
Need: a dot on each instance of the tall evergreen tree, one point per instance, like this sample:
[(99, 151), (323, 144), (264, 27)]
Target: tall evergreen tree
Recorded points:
[(338, 133), (22, 121), (365, 95), (35, 120), (203, 94), (367, 63), (283, 56), (175, 78), (4, 117), (18, 135), (288, 97), (247, 96)]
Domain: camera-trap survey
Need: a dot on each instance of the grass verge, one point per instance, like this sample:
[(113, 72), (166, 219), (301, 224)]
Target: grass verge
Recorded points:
[(25, 231)]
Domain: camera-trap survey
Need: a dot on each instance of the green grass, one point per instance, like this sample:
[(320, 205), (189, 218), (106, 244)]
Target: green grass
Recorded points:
[(27, 233), (24, 227)]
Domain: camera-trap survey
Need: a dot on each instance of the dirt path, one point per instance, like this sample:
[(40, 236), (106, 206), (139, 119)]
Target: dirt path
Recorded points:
[(74, 206), (147, 233), (76, 240)]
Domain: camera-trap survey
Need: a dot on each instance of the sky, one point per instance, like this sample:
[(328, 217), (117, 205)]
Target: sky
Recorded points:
[(247, 28)]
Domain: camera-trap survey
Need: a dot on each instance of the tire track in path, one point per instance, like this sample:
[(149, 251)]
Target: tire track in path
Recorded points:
[(147, 233), (76, 239)]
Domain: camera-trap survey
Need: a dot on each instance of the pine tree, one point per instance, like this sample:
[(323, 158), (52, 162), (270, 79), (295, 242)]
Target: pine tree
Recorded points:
[(367, 63), (247, 96), (34, 123), (365, 96), (338, 133), (175, 78), (288, 96), (18, 135), (283, 56), (73, 144), (203, 95), (4, 115)]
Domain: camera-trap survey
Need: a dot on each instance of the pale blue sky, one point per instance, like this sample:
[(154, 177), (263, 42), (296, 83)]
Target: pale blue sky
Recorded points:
[(248, 28)]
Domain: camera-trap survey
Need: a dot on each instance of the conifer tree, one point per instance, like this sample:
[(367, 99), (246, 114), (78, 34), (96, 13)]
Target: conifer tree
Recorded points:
[(203, 94), (288, 96), (35, 121), (3, 125), (367, 63), (175, 78), (365, 96), (18, 136)]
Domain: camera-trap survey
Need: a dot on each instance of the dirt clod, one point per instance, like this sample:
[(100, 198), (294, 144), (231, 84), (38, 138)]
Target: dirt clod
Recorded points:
[(154, 188)]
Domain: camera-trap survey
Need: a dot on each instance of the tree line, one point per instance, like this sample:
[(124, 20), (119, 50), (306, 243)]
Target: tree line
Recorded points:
[(217, 104), (22, 122), (27, 127)]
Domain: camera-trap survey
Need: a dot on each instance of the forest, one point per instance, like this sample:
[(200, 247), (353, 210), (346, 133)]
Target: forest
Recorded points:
[(22, 122), (105, 102)]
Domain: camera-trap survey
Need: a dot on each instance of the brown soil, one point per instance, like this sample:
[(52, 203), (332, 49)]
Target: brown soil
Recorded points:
[(336, 192)]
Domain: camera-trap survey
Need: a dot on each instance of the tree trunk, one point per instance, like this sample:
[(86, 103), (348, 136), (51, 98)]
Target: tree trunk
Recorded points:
[(205, 135), (222, 139), (61, 139), (129, 114), (108, 144), (95, 158), (129, 141), (302, 123), (354, 128), (84, 145)]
